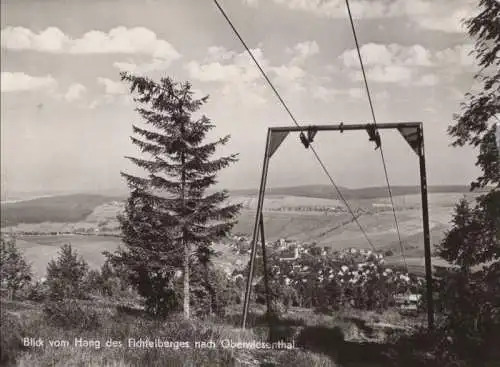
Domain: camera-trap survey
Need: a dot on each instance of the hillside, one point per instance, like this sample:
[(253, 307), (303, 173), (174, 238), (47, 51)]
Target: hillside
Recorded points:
[(61, 208), (302, 218), (327, 192)]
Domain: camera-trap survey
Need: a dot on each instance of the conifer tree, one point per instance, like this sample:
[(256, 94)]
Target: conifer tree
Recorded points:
[(15, 272), (170, 220), (66, 274)]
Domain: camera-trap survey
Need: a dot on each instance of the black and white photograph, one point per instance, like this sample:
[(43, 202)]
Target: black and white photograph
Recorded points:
[(250, 183)]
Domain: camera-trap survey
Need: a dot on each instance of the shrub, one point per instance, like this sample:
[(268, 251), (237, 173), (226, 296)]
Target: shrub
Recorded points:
[(69, 314), (15, 272), (153, 281), (301, 358), (97, 283), (66, 275), (37, 292), (10, 337), (213, 291)]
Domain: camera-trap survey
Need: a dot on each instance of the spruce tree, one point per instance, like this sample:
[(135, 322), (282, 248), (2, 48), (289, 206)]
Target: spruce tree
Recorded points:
[(170, 221), (66, 274)]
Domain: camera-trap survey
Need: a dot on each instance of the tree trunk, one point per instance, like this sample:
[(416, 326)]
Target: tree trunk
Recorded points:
[(186, 282), (211, 291), (185, 244)]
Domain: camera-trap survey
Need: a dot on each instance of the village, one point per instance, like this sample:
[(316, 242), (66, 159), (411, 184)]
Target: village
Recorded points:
[(294, 264)]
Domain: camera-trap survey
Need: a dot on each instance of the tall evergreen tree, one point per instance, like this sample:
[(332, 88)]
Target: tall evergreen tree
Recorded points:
[(170, 220)]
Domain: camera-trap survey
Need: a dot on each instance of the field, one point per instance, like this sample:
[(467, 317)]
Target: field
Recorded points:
[(305, 219), (62, 208)]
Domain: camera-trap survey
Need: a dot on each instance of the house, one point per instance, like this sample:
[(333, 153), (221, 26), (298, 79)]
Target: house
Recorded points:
[(295, 257), (408, 304)]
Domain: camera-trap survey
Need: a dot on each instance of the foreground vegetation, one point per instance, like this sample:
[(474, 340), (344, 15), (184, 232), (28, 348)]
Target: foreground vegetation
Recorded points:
[(75, 302), (104, 323)]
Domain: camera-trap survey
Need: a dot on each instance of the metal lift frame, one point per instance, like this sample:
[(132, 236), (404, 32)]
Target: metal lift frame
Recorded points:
[(412, 132)]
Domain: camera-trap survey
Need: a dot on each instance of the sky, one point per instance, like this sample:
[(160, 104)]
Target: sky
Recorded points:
[(66, 118)]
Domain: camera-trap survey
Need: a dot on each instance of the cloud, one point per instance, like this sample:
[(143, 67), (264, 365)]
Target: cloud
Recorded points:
[(218, 53), (230, 67), (457, 56), (382, 96), (360, 8), (21, 82), (413, 65), (235, 73), (111, 87), (217, 72), (450, 24), (444, 16), (386, 55), (252, 3), (114, 92), (154, 65), (302, 51), (288, 74), (427, 80), (19, 38), (136, 40), (448, 17), (355, 93), (102, 100), (324, 94), (327, 94), (75, 92), (119, 40), (385, 74), (239, 78)]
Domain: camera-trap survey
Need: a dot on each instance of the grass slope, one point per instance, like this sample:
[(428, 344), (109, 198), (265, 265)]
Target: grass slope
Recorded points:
[(111, 322)]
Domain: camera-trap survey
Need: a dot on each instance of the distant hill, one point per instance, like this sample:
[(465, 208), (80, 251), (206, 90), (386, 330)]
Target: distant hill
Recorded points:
[(71, 208), (327, 192), (62, 208)]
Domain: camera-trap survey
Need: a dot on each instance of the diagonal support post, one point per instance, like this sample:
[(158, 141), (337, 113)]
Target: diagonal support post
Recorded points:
[(266, 269), (258, 218)]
